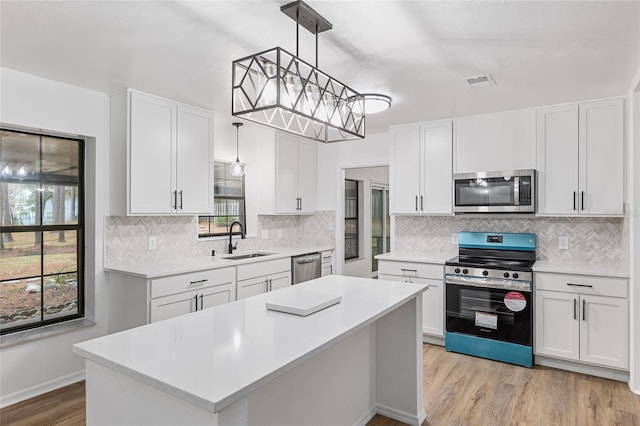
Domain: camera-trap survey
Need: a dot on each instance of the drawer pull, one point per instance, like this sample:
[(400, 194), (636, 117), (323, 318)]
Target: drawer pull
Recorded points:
[(415, 271), (580, 285), (199, 282)]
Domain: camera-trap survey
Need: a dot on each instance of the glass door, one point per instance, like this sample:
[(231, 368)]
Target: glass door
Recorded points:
[(380, 224)]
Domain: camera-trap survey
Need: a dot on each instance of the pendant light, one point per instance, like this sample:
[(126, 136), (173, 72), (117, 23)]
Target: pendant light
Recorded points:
[(237, 167), (278, 89)]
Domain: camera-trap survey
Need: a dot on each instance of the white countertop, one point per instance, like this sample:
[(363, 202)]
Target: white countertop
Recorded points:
[(165, 268), (607, 270), (214, 357), (416, 256)]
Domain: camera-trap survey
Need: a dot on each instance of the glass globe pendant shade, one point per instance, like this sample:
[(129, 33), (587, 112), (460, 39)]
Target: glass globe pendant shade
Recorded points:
[(237, 168)]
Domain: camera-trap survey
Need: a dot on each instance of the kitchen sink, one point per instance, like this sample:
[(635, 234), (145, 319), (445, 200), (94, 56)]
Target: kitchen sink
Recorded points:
[(247, 256)]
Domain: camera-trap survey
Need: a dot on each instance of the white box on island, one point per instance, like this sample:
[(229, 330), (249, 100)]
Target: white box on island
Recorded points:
[(240, 363), (301, 302)]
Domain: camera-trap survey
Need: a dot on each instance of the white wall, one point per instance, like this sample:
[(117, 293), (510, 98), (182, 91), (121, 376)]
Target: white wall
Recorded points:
[(361, 267), (31, 368), (333, 159)]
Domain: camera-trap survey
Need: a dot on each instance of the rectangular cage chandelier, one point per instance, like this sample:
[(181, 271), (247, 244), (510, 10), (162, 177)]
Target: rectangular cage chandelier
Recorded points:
[(280, 90)]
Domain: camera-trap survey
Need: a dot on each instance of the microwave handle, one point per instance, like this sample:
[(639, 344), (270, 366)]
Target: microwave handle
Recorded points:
[(516, 190)]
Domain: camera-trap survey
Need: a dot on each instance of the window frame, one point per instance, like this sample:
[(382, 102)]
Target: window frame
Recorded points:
[(78, 227), (243, 217), (351, 218)]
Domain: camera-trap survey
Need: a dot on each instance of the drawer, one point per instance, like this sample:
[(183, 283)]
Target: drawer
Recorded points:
[(411, 269), (327, 256), (192, 281), (581, 284), (259, 269)]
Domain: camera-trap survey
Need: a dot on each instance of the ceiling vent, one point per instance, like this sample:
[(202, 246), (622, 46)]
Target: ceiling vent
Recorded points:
[(478, 81)]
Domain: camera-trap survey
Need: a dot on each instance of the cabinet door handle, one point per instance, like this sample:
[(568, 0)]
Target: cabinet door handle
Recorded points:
[(175, 200), (197, 283), (180, 200), (416, 203), (270, 284), (195, 298), (580, 285), (421, 203), (584, 308), (574, 200), (582, 200), (575, 303), (201, 301)]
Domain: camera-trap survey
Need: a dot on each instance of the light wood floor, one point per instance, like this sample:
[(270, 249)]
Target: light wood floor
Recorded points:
[(458, 390)]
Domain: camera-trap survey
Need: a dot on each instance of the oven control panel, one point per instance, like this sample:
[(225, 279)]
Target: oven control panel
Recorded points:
[(489, 273)]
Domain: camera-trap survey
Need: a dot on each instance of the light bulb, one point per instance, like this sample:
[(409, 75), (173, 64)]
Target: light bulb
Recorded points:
[(237, 168)]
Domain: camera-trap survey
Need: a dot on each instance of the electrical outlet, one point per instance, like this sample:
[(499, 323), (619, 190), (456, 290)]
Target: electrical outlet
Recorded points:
[(454, 238), (153, 243), (330, 226), (563, 242), (279, 233), (265, 234)]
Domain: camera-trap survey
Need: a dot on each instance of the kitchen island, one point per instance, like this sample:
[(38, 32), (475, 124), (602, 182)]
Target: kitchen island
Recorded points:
[(242, 364)]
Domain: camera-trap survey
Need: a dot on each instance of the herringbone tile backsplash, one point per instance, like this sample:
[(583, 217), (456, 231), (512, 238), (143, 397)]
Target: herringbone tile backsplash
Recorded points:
[(591, 240), (126, 238)]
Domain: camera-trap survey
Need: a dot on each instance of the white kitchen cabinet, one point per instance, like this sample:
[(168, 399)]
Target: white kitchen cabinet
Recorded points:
[(182, 294), (167, 149), (582, 318), (432, 299), (420, 168), (580, 159), (495, 142), (184, 303), (287, 175), (327, 263), (261, 277)]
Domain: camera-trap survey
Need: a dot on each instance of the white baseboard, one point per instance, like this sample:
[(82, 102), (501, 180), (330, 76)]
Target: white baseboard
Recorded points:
[(364, 419), (576, 367), (401, 416), (433, 340), (34, 391)]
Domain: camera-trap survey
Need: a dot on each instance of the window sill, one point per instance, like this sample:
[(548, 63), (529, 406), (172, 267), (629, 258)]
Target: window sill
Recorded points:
[(25, 336)]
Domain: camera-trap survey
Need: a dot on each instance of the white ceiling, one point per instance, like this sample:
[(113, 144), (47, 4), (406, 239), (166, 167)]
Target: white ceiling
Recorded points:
[(417, 52)]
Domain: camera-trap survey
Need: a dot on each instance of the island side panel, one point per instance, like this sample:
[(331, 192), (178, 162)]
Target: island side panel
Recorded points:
[(116, 399), (128, 301), (335, 386), (399, 363)]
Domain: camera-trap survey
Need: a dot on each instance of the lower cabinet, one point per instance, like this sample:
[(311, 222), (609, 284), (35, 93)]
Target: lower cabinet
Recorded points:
[(582, 318), (432, 298), (327, 263), (261, 277), (183, 294)]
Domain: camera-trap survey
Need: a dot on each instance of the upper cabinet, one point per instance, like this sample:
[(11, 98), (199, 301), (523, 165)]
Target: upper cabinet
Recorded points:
[(493, 142), (167, 149), (287, 176), (580, 159), (420, 168)]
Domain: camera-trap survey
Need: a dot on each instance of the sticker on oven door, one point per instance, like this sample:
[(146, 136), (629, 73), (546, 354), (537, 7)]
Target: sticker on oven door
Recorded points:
[(486, 320), (515, 301)]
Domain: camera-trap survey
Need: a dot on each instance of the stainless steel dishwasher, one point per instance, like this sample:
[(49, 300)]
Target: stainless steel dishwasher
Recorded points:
[(306, 267)]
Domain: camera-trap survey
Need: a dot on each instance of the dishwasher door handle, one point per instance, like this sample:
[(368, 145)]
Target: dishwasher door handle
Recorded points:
[(306, 259)]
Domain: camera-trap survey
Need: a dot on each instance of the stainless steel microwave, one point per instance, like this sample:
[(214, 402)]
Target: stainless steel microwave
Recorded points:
[(511, 191)]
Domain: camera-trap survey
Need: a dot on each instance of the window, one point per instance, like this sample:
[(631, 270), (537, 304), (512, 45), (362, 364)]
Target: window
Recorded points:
[(380, 224), (41, 230), (229, 205), (351, 219)]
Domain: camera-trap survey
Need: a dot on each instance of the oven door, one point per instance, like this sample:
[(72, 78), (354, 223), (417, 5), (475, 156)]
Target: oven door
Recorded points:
[(493, 313)]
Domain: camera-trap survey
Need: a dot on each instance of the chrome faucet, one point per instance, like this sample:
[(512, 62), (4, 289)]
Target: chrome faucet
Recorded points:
[(232, 247)]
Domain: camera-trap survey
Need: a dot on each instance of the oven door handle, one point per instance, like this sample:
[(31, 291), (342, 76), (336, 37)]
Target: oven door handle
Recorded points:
[(489, 283)]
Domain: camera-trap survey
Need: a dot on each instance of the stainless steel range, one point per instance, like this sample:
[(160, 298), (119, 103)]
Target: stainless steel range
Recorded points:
[(489, 299)]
